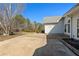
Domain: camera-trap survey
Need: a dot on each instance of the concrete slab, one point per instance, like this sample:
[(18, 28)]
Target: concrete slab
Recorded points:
[(54, 47)]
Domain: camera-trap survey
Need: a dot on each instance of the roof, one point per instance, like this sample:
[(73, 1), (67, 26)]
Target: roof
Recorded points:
[(72, 9), (52, 19)]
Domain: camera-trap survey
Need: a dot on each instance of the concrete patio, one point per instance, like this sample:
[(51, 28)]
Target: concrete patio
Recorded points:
[(54, 47)]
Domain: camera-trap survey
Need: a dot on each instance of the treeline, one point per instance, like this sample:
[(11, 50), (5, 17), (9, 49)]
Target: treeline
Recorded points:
[(25, 25), (12, 21)]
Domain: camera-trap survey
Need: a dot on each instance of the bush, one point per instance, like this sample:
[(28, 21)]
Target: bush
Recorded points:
[(11, 33)]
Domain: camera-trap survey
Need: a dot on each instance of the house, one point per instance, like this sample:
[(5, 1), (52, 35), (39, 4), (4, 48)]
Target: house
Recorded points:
[(67, 24), (53, 25)]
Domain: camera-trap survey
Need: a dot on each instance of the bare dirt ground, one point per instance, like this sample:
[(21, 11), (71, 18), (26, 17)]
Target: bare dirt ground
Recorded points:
[(2, 38), (23, 45)]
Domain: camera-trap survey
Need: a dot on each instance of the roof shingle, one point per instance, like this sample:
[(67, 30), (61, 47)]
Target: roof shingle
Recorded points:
[(52, 19)]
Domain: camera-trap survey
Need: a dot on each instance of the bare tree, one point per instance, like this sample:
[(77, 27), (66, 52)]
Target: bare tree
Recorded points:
[(7, 14)]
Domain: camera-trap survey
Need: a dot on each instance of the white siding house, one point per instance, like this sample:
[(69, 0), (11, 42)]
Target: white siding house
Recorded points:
[(67, 24), (73, 16), (54, 25)]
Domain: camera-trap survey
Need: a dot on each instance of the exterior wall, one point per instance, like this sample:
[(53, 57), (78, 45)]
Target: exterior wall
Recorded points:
[(55, 28), (48, 28), (66, 22), (73, 28)]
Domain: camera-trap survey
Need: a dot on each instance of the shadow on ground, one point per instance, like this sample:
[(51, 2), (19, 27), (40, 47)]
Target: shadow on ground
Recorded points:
[(52, 48)]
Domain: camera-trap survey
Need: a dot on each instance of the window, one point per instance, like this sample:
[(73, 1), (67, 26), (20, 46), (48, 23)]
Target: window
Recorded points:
[(68, 21), (68, 28), (77, 27), (68, 25), (65, 28)]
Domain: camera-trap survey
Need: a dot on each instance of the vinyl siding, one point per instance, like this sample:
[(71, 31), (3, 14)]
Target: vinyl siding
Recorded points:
[(55, 28)]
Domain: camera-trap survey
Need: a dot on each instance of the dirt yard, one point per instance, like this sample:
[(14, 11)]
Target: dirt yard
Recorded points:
[(23, 45), (2, 38)]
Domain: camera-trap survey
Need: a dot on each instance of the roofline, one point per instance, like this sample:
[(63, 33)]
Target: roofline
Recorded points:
[(53, 23), (72, 8), (49, 23)]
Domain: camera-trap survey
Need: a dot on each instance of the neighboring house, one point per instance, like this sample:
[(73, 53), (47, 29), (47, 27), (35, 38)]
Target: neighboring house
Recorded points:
[(68, 24), (53, 25)]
